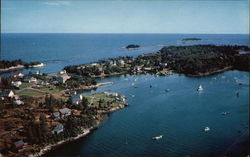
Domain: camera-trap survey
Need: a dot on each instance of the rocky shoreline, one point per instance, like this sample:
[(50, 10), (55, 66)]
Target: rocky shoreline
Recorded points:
[(211, 73), (87, 131)]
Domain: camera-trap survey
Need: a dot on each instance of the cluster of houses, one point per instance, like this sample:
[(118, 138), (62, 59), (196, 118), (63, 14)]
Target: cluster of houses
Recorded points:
[(9, 94), (20, 78), (61, 113), (117, 96)]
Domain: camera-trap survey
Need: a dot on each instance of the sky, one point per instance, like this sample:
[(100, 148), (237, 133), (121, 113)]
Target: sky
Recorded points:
[(125, 16)]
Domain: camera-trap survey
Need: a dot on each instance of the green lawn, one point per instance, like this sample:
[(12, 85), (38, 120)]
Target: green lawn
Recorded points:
[(29, 92)]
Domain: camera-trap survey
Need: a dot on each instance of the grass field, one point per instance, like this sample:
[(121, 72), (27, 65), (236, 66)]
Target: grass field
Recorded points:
[(30, 92)]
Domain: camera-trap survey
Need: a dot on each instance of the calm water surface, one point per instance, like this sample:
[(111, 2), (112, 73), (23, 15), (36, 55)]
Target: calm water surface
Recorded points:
[(180, 115)]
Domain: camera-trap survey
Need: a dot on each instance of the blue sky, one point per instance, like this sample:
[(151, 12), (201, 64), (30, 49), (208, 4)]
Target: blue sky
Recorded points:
[(125, 16)]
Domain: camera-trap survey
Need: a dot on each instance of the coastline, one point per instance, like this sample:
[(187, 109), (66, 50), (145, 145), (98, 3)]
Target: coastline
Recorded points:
[(48, 148), (18, 67), (211, 73), (12, 68)]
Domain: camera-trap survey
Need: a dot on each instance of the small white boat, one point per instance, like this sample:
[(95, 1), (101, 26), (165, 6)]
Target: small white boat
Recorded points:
[(225, 113), (157, 137), (199, 89), (207, 129), (133, 84)]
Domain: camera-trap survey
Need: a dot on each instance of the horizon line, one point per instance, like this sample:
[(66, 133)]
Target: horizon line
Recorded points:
[(113, 33)]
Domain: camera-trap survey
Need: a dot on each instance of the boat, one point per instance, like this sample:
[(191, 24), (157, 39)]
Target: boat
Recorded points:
[(207, 129), (167, 90), (225, 113), (133, 84), (199, 89), (157, 137)]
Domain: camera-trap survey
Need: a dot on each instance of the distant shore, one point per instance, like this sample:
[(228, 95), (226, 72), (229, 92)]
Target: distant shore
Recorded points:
[(18, 67), (210, 73), (13, 68)]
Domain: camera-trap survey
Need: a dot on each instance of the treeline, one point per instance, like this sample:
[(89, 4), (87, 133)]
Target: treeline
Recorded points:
[(204, 58), (4, 64), (190, 60)]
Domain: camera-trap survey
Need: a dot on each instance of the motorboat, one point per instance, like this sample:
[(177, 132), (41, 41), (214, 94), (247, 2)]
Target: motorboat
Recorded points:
[(157, 137), (206, 129)]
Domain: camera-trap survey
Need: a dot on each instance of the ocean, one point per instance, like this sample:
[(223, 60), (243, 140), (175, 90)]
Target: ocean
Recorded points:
[(180, 115)]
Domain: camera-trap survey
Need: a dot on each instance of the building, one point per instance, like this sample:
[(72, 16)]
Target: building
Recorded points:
[(8, 93), (76, 99), (56, 115), (16, 83), (65, 112), (17, 75), (121, 62), (63, 72), (117, 96), (18, 102), (63, 78), (58, 129), (30, 79), (111, 94)]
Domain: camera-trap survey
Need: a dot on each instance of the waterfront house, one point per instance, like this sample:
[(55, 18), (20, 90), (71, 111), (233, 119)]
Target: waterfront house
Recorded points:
[(58, 129), (111, 94), (76, 99), (16, 83), (38, 73), (63, 78), (121, 62), (65, 112), (17, 75), (8, 93), (117, 96), (63, 72)]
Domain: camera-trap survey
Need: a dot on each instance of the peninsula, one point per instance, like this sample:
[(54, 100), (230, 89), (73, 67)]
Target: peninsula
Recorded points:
[(7, 66), (40, 111)]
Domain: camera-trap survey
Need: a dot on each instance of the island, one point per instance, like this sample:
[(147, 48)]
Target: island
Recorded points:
[(41, 111), (7, 66), (191, 39), (132, 46)]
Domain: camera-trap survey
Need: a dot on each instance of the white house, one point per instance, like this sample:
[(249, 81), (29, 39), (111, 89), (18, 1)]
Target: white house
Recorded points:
[(16, 83), (63, 78), (30, 79), (18, 102), (17, 75), (8, 93)]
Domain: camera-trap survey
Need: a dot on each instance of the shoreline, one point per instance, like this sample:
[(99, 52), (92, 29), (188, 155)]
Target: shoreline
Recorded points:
[(50, 147), (12, 68), (19, 67), (211, 73)]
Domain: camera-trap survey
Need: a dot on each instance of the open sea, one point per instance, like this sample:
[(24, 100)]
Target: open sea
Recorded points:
[(180, 115)]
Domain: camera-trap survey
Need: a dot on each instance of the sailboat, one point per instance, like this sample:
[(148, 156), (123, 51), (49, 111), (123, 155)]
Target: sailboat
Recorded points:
[(199, 89)]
